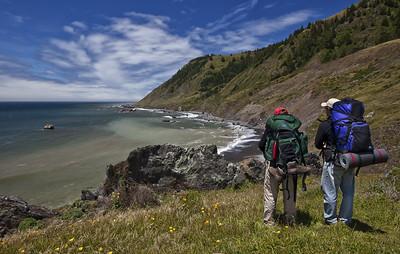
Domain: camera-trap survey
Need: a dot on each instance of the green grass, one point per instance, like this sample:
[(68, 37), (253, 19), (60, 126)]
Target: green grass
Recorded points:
[(223, 221)]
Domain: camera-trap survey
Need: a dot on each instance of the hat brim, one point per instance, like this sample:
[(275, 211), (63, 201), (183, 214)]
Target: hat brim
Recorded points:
[(324, 104)]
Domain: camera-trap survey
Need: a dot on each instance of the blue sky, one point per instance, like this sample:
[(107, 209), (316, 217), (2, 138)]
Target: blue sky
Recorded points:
[(98, 50)]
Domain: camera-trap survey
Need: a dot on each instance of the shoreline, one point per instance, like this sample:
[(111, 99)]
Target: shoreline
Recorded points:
[(238, 143), (243, 146)]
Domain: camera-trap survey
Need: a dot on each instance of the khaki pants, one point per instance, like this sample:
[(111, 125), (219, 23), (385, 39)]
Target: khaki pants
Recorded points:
[(271, 189)]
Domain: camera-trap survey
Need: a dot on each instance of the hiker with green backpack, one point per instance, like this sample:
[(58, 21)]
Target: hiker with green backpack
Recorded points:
[(284, 148)]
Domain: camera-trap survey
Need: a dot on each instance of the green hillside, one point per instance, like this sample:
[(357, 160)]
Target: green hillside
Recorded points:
[(247, 85), (352, 54)]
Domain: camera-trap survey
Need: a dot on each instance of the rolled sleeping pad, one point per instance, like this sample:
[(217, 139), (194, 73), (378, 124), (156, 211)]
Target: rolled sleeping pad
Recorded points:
[(354, 160)]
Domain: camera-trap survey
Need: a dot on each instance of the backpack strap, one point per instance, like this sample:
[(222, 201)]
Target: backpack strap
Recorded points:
[(303, 182), (294, 177), (358, 169), (301, 150)]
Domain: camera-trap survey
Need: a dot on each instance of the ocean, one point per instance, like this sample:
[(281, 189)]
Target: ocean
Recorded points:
[(51, 167)]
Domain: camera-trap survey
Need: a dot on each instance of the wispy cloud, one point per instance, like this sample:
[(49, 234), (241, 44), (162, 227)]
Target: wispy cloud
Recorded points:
[(24, 89), (75, 27), (229, 35), (132, 54), (7, 64), (128, 56), (15, 18), (263, 26), (238, 13), (79, 24), (269, 6)]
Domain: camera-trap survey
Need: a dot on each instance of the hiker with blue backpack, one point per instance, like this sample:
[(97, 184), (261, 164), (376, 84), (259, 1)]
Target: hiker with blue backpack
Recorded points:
[(344, 134), (284, 148)]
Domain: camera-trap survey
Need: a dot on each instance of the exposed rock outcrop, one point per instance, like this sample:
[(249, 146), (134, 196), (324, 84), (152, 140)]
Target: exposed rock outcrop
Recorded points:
[(169, 167), (13, 210), (161, 168), (172, 167)]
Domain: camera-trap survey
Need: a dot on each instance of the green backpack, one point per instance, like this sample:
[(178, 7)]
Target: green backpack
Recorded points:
[(285, 143)]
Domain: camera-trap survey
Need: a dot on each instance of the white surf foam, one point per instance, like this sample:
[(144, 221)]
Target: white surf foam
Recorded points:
[(243, 135), (188, 115)]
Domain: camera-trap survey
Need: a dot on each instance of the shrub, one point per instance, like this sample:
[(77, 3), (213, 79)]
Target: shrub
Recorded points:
[(28, 223), (73, 213)]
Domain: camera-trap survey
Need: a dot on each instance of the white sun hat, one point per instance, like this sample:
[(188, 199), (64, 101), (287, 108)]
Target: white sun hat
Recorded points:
[(329, 103)]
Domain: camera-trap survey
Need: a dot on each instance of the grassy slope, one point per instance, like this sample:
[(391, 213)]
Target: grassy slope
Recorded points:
[(249, 85), (225, 85), (231, 223)]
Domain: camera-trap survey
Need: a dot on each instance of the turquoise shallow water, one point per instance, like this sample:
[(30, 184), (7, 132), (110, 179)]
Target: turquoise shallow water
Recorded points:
[(50, 167)]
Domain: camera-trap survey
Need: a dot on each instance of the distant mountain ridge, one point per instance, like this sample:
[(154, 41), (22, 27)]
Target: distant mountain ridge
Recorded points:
[(230, 85)]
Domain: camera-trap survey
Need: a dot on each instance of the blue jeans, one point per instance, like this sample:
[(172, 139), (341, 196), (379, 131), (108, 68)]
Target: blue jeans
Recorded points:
[(335, 178)]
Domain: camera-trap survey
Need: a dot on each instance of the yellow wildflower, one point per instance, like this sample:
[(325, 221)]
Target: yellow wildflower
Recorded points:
[(206, 222), (220, 224), (100, 249), (278, 232), (110, 252), (58, 249), (80, 248), (72, 239), (216, 205), (218, 241), (152, 218), (286, 227)]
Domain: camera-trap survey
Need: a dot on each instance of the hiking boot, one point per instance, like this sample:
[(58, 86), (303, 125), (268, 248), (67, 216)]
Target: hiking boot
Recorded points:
[(269, 223), (346, 221), (290, 220), (330, 222)]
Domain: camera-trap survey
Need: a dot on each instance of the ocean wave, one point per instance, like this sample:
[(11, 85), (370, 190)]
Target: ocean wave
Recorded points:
[(188, 115), (244, 135)]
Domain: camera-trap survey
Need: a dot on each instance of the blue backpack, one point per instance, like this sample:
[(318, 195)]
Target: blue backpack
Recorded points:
[(351, 132)]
